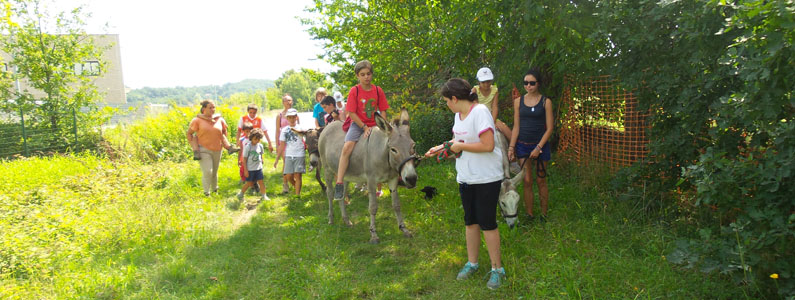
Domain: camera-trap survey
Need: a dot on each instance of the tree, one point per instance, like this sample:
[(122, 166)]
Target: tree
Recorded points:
[(49, 51), (417, 45), (244, 99), (301, 85)]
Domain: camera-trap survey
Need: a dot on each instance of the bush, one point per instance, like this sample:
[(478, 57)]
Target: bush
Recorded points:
[(162, 137), (718, 78), (430, 126)]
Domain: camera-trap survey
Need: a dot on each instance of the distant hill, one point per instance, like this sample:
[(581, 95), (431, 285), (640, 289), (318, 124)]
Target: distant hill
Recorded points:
[(191, 95)]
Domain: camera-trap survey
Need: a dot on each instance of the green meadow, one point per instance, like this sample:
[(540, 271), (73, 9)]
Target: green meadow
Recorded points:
[(86, 227)]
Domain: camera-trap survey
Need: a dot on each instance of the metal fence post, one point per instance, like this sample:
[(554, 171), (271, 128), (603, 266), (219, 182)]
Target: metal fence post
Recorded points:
[(24, 136), (74, 123)]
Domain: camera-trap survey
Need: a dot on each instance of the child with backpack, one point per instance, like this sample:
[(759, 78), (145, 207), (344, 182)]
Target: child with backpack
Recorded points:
[(252, 169), (364, 101)]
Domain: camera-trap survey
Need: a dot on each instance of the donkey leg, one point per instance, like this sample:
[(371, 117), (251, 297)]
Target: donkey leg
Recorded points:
[(371, 187), (398, 213), (330, 197), (343, 207)]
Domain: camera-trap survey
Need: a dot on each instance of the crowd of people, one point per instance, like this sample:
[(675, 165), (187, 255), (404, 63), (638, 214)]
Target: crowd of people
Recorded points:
[(479, 159)]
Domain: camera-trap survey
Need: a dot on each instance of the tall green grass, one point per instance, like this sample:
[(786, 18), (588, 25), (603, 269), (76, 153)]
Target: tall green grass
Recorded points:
[(109, 230)]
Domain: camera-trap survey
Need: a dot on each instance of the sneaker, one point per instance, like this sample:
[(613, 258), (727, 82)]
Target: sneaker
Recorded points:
[(339, 190), (378, 194), (543, 219), (240, 196), (265, 197), (495, 278), (232, 149), (206, 194), (466, 271), (196, 155)]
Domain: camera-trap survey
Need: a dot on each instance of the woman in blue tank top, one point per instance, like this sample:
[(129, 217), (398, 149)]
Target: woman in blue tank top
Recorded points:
[(532, 129)]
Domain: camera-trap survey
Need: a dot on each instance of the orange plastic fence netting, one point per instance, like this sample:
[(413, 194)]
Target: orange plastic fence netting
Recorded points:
[(600, 122)]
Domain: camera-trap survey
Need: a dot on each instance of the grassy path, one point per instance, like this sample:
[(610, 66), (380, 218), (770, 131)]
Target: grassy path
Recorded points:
[(95, 229)]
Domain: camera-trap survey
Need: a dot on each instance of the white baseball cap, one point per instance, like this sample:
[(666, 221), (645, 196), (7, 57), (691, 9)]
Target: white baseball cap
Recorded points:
[(291, 112), (338, 96), (484, 74)]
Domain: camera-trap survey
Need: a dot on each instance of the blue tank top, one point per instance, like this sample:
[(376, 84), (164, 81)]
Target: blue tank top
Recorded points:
[(532, 121)]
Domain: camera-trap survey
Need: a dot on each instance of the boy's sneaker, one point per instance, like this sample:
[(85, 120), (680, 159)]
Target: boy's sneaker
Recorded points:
[(196, 155), (232, 149), (495, 278), (240, 196), (466, 271), (206, 194), (265, 197), (339, 190)]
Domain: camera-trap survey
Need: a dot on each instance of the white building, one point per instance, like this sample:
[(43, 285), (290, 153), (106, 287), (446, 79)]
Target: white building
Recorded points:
[(110, 84)]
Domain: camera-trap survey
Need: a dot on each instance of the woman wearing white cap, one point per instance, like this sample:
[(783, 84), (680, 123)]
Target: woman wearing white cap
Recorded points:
[(488, 95)]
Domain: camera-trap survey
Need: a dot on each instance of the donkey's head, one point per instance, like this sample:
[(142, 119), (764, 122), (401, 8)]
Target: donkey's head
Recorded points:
[(509, 198), (311, 138), (402, 157)]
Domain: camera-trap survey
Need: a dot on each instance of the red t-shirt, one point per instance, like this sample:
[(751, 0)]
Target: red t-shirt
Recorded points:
[(365, 103)]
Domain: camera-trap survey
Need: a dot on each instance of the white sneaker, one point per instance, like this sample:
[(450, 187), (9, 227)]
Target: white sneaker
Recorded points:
[(240, 195), (265, 197)]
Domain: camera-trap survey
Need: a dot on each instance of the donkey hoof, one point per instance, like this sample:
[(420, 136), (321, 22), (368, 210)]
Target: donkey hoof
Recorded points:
[(408, 234), (348, 223), (375, 241)]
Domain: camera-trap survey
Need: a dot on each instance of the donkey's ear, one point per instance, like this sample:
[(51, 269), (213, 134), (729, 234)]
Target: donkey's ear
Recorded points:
[(382, 123), (404, 117), (300, 132), (517, 178)]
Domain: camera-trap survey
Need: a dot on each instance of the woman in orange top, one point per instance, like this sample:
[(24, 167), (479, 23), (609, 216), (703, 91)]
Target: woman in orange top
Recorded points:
[(209, 134)]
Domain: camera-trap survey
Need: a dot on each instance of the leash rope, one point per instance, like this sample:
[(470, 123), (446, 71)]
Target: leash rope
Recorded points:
[(447, 152)]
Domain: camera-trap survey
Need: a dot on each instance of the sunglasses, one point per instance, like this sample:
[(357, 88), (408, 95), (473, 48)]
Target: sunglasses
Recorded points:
[(531, 83)]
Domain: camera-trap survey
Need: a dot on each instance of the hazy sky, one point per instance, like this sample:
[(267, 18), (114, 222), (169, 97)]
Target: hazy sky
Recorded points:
[(167, 43)]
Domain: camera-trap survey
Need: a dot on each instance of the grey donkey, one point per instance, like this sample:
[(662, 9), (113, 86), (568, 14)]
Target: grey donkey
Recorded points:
[(386, 155), (509, 197)]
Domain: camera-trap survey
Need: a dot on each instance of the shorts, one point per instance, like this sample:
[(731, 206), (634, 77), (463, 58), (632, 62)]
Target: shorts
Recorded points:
[(354, 133), (480, 203), (523, 150), (294, 164), (255, 175)]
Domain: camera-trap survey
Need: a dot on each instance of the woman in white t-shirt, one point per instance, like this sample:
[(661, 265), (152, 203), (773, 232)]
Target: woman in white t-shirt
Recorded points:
[(479, 174)]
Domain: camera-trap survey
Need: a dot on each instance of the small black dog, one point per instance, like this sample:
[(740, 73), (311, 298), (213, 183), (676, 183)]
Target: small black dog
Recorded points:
[(429, 192)]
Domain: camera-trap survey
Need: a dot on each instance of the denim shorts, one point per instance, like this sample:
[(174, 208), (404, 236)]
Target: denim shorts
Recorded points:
[(523, 150), (255, 175)]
